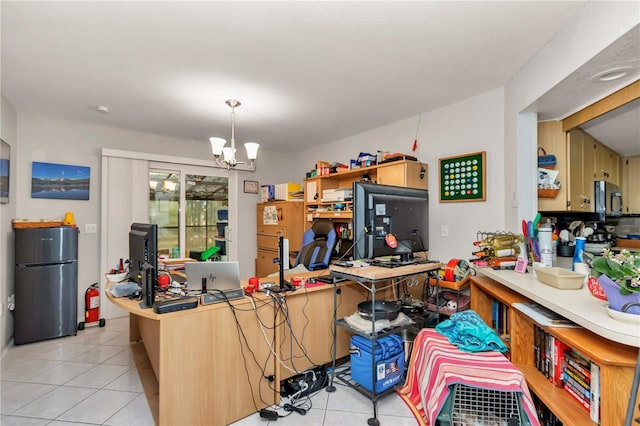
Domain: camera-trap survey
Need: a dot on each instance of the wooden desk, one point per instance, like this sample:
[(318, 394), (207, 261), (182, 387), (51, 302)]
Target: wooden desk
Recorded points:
[(198, 357)]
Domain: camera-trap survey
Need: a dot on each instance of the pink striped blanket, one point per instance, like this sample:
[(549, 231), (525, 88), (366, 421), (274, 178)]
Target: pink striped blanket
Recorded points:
[(436, 364)]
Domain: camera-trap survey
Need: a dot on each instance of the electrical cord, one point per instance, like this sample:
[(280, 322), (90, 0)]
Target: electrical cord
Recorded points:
[(242, 337), (299, 410)]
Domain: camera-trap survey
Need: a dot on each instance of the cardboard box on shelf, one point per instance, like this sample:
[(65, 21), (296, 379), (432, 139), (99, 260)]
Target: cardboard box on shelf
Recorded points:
[(283, 191), (267, 192), (320, 164)]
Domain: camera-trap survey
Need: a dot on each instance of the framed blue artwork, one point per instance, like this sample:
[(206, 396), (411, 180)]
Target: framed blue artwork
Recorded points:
[(59, 181), (5, 160)]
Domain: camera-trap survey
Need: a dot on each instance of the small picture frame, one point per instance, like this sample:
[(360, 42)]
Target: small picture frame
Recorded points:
[(521, 265), (251, 187)]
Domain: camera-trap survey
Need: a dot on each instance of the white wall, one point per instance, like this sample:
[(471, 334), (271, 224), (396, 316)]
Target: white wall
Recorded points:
[(9, 134), (66, 142), (472, 125), (596, 26)]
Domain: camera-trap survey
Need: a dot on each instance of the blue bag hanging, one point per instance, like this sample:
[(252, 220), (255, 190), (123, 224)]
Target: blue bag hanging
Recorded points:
[(546, 161)]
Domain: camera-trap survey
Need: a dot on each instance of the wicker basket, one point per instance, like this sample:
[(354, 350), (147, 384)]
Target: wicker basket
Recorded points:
[(548, 193)]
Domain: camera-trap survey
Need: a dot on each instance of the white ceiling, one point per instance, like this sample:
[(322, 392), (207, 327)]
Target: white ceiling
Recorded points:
[(306, 73)]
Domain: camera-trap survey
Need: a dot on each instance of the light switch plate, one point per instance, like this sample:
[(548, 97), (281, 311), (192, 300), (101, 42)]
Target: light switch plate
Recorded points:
[(90, 228), (444, 231)]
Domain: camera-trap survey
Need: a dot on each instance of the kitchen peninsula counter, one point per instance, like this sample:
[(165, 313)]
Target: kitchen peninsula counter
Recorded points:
[(580, 306)]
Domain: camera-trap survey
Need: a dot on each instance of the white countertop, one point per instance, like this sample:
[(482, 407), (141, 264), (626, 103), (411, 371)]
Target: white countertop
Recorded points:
[(577, 305)]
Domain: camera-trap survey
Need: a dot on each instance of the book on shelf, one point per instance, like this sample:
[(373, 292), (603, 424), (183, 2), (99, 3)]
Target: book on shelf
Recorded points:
[(559, 362), (582, 401), (584, 383), (594, 410), (577, 361), (544, 316), (536, 346), (577, 373), (577, 387), (550, 342)]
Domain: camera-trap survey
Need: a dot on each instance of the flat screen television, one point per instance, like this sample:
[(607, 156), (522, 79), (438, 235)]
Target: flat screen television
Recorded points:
[(383, 210), (143, 259)]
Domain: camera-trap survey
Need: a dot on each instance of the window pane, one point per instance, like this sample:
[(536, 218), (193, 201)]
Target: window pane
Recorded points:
[(206, 214), (164, 204)]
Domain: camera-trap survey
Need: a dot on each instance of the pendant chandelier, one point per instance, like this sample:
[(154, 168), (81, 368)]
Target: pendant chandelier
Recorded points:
[(226, 155)]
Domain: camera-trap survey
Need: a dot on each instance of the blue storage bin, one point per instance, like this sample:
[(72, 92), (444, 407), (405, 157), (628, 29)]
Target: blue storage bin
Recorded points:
[(389, 356)]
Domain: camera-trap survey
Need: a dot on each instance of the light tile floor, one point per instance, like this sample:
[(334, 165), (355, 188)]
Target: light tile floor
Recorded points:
[(91, 379)]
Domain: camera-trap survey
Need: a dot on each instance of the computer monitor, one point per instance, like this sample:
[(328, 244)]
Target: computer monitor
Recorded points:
[(381, 210), (143, 259)]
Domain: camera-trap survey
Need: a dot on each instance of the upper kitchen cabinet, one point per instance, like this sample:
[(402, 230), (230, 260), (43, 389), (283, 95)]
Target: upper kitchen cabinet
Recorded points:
[(600, 143), (581, 171), (553, 140), (630, 180), (607, 163)]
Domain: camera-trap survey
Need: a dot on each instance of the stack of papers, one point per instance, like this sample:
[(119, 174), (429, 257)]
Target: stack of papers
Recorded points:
[(174, 264), (544, 316)]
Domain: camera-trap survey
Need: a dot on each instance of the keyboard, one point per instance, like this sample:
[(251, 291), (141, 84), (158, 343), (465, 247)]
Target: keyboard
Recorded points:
[(395, 263)]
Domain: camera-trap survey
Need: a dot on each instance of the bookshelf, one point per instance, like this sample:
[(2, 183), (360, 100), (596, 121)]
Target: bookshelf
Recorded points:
[(616, 361)]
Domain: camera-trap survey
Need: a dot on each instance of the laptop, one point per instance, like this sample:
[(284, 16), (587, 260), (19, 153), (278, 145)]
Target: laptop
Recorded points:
[(217, 276)]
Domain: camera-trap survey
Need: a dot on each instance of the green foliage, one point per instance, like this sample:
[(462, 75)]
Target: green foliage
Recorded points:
[(623, 268)]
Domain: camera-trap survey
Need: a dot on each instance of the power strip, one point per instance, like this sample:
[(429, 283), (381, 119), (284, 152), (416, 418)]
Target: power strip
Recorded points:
[(210, 298), (305, 383), (268, 414)]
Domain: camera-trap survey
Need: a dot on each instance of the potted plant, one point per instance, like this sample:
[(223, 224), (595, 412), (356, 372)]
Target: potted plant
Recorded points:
[(619, 276)]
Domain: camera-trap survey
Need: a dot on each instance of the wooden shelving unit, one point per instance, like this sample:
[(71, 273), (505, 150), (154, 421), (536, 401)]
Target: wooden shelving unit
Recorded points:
[(411, 174), (616, 361), (407, 173), (288, 223)]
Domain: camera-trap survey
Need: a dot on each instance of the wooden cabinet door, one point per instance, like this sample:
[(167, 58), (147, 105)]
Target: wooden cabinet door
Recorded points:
[(576, 179), (588, 161), (554, 141), (631, 183), (265, 264), (601, 160), (614, 167), (410, 174), (606, 163), (391, 175)]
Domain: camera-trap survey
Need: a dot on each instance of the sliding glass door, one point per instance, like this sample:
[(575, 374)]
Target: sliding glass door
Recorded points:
[(191, 208)]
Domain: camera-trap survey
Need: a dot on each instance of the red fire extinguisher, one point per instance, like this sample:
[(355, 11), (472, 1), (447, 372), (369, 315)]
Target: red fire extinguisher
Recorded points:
[(91, 307)]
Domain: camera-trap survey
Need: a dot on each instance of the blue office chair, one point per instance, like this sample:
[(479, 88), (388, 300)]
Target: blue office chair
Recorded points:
[(317, 245)]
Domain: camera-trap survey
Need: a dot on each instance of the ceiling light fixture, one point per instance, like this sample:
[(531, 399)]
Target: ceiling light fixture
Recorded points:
[(228, 154), (612, 74)]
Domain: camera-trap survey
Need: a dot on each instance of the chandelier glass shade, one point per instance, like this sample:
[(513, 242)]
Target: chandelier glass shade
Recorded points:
[(226, 155)]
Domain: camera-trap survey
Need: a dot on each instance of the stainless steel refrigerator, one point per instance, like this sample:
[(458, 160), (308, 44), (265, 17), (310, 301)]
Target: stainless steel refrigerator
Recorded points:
[(46, 283)]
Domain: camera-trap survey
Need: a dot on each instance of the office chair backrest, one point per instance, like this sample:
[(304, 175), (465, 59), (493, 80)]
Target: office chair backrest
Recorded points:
[(317, 245)]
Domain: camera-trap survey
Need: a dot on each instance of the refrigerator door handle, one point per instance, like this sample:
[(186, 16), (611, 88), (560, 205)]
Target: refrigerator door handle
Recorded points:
[(34, 265)]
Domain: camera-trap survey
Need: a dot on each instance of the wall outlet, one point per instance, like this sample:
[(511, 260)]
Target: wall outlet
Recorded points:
[(90, 228), (444, 231)]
